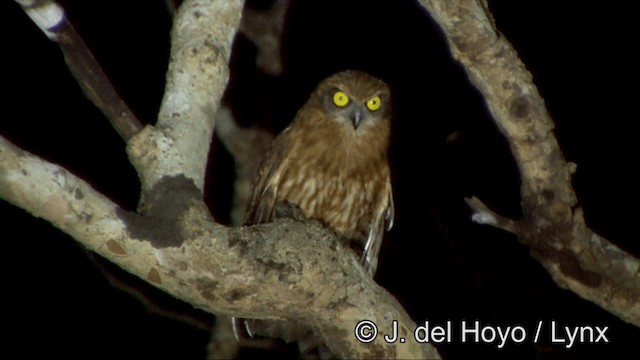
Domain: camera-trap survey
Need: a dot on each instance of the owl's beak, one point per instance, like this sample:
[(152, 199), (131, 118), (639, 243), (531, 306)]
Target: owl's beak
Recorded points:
[(356, 117)]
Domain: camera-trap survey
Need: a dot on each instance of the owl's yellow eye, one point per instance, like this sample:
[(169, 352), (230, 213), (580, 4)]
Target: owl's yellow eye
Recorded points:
[(373, 104), (340, 99)]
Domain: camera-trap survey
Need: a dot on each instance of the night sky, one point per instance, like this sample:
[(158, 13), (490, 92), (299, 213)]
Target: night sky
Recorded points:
[(444, 147)]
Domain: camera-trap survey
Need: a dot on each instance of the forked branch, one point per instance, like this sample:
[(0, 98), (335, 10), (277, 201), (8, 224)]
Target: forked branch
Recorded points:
[(282, 270)]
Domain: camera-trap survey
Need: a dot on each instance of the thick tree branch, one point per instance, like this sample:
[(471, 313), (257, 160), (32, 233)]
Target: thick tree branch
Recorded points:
[(49, 16), (282, 270), (256, 263), (553, 225), (202, 35)]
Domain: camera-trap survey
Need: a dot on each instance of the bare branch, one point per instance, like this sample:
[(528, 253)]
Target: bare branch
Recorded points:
[(247, 146), (49, 16), (553, 225), (484, 215), (265, 29), (303, 275), (198, 73)]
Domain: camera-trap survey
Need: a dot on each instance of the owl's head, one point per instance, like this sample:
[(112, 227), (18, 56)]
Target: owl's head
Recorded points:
[(355, 99)]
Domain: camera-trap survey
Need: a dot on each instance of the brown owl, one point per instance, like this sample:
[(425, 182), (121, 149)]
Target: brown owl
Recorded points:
[(331, 163)]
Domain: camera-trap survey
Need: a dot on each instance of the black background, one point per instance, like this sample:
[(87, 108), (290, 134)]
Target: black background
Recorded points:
[(436, 262)]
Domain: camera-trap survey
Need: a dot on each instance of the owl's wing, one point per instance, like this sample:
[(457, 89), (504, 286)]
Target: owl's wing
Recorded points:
[(265, 189), (383, 219)]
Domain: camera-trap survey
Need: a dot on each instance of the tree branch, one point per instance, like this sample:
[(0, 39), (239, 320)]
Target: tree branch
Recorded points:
[(553, 225), (49, 16), (265, 29), (197, 76), (303, 275), (484, 215), (247, 146), (287, 270)]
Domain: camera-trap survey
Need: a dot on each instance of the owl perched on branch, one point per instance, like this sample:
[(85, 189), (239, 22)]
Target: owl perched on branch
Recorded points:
[(331, 163)]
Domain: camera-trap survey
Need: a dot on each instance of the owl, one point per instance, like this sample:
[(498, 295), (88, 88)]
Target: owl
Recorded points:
[(331, 164)]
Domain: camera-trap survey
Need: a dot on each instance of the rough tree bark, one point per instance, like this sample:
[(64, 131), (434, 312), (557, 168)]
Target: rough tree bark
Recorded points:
[(283, 270), (553, 225)]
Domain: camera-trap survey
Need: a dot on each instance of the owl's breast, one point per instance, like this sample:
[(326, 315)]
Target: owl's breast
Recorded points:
[(345, 203)]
